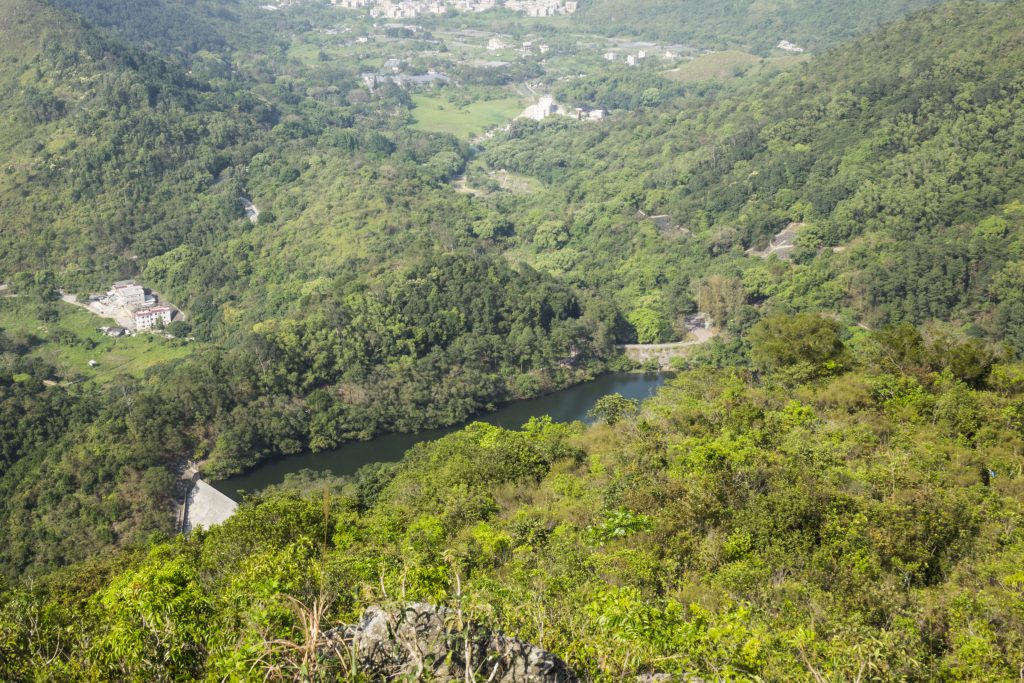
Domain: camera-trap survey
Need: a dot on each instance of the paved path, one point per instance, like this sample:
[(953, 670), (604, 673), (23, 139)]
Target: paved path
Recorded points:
[(251, 212), (782, 245), (122, 316), (664, 353)]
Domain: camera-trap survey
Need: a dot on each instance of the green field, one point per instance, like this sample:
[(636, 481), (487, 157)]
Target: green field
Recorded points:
[(126, 355), (438, 115)]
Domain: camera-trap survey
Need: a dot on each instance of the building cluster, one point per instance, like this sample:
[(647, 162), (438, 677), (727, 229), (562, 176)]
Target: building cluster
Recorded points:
[(528, 47), (376, 80), (497, 43), (631, 59), (634, 53), (473, 5), (634, 59), (131, 297), (409, 9), (542, 8)]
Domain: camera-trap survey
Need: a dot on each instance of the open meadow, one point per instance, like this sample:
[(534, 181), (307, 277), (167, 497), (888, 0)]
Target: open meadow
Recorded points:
[(68, 337), (438, 115)]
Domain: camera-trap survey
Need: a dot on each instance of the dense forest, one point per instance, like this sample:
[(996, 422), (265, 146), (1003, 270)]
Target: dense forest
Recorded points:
[(898, 157), (829, 490), (848, 506)]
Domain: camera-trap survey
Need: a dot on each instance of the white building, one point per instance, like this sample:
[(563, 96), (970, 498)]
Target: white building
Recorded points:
[(631, 60), (610, 56), (147, 318), (128, 295), (544, 108), (406, 9), (789, 47)]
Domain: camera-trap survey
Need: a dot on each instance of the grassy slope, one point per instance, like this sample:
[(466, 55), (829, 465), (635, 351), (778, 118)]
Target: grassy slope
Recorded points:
[(728, 64), (128, 355)]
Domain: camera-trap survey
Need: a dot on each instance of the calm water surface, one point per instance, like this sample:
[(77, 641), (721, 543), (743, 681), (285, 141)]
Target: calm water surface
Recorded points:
[(565, 406)]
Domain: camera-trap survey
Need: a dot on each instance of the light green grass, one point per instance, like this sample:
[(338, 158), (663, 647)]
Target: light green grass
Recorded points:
[(126, 355), (438, 115), (720, 66)]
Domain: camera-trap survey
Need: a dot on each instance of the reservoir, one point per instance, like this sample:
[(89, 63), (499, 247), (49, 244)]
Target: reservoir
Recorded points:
[(565, 406)]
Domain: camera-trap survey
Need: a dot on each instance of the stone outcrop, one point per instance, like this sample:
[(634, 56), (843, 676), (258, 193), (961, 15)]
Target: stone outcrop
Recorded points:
[(424, 642)]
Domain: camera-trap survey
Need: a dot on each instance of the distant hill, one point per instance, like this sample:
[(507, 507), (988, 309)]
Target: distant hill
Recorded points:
[(754, 25), (371, 296)]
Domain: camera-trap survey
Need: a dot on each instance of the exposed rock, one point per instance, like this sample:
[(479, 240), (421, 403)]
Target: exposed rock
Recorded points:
[(429, 643), (782, 245)]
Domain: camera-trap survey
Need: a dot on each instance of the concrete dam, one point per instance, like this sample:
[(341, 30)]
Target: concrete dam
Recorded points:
[(204, 507)]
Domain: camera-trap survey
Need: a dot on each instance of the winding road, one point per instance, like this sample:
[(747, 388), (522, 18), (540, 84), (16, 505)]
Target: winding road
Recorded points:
[(664, 353)]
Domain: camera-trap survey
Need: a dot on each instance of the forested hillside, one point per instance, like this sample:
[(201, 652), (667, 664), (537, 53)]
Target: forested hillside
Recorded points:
[(361, 303), (852, 509), (898, 158), (787, 510), (100, 137), (756, 25)]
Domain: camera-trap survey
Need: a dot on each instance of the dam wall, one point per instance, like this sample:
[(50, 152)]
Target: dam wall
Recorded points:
[(205, 507)]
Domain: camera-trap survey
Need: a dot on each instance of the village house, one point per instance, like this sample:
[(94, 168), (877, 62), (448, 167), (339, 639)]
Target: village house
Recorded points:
[(148, 318), (544, 108), (789, 47), (131, 307), (589, 115), (128, 295)]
